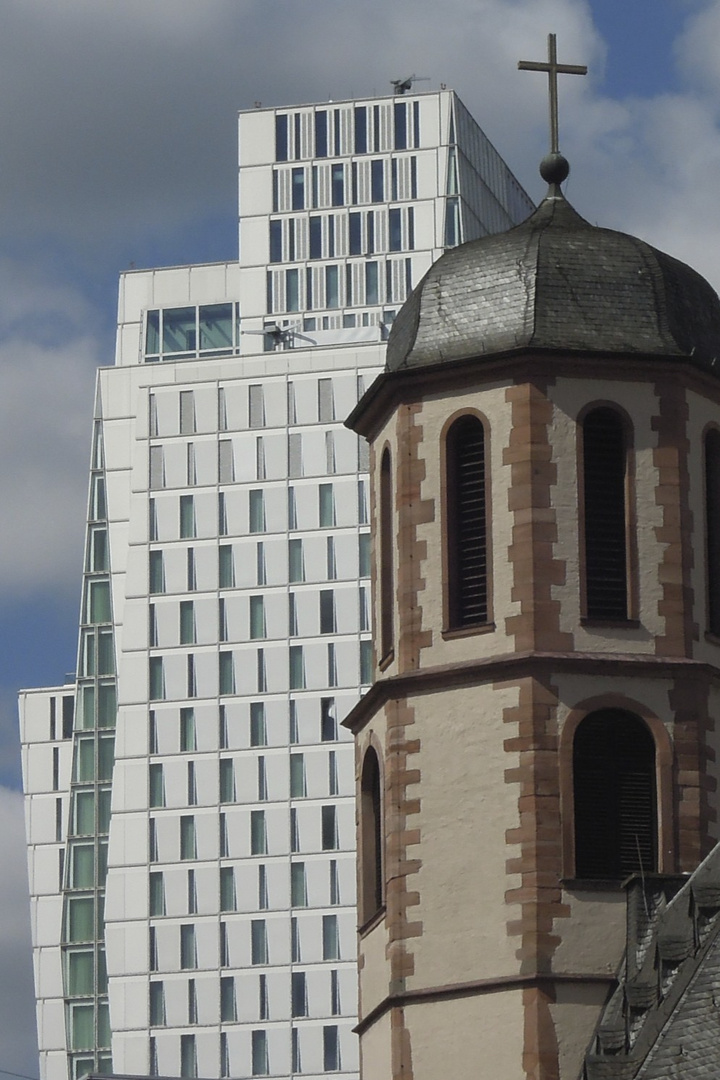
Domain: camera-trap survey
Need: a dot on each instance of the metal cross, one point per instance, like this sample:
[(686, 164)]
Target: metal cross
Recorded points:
[(553, 69)]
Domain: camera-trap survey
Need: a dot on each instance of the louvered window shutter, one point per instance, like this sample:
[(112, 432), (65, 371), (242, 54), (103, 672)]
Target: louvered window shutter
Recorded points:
[(614, 794), (467, 523), (605, 517), (712, 525)]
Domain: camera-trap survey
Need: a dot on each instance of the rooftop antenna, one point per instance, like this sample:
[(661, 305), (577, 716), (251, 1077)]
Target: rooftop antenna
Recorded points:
[(401, 86)]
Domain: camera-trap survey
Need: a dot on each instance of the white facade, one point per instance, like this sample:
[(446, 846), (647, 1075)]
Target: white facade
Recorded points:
[(191, 832)]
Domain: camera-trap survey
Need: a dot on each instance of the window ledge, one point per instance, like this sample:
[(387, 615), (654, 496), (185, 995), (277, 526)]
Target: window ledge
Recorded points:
[(372, 922), (610, 624), (386, 661), (468, 631), (592, 884)]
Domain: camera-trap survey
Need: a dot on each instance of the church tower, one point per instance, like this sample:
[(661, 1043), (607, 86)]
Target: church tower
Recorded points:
[(545, 462)]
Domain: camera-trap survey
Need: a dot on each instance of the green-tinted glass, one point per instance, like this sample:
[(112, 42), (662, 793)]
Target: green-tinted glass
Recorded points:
[(85, 760), (99, 606), (82, 1029), (103, 1024), (84, 812), (179, 332), (83, 866), (107, 705), (106, 757), (104, 796), (86, 718), (80, 918), (106, 653), (80, 972), (216, 326)]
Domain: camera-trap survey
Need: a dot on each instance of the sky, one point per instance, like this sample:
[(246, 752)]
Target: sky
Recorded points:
[(118, 148)]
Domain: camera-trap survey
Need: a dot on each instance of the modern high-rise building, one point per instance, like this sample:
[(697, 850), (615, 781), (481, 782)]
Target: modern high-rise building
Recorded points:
[(190, 796)]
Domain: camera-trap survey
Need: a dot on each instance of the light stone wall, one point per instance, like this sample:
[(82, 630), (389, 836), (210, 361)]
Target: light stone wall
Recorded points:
[(480, 1036)]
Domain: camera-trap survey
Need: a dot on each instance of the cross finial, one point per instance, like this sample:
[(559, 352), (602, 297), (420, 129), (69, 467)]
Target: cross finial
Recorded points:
[(553, 70)]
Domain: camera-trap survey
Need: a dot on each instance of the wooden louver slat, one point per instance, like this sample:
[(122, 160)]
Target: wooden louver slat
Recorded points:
[(467, 525), (605, 515), (614, 795)]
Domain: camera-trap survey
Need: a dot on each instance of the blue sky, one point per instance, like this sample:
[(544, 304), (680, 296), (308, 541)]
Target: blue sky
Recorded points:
[(117, 146)]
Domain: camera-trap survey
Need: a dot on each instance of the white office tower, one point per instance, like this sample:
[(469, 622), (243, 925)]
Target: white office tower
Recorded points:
[(190, 800)]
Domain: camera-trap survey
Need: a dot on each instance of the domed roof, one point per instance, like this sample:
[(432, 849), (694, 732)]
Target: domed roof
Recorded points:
[(555, 282)]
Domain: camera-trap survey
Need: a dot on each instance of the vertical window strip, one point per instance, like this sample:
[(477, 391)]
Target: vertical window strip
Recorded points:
[(467, 523), (604, 447)]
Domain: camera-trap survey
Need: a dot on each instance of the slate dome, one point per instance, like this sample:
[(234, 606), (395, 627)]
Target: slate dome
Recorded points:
[(557, 283)]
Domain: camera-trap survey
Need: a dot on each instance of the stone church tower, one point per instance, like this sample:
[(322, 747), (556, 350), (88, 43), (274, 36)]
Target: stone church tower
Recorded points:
[(545, 458)]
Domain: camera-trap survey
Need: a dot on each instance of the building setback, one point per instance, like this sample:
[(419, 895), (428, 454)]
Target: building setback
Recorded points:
[(190, 797)]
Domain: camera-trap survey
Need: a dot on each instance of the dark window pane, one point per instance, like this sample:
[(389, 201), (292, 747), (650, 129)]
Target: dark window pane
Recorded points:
[(281, 138)]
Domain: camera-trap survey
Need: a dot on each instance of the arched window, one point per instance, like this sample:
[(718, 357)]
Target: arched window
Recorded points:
[(371, 891), (712, 528), (467, 528), (387, 597), (614, 796), (605, 514)]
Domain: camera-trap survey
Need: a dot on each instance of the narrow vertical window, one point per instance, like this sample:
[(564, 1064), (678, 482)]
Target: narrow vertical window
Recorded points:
[(604, 448), (467, 533), (387, 597), (371, 897), (712, 528), (614, 796)]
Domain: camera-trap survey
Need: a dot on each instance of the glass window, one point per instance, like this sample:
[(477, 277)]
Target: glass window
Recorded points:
[(84, 813), (276, 241), (257, 511), (366, 662), (258, 730), (188, 839), (316, 237), (107, 704), (187, 729), (256, 406), (338, 185), (187, 412), (257, 617), (298, 785), (281, 137), (330, 938), (179, 330), (228, 1010), (298, 189), (226, 463), (152, 333), (295, 560), (82, 1028), (227, 780), (80, 918), (106, 653), (156, 784), (331, 1049), (226, 673), (258, 940), (371, 283), (395, 223), (82, 866), (326, 506), (98, 608), (260, 1061), (297, 667), (355, 233), (292, 290), (361, 129), (157, 1004), (226, 570), (86, 712), (298, 885), (187, 517), (258, 833), (187, 622), (321, 132), (98, 550), (80, 968), (216, 327), (332, 284), (228, 897), (400, 125), (156, 572), (188, 947), (188, 1056), (106, 757), (156, 678), (327, 611), (156, 893), (329, 828), (377, 180)]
